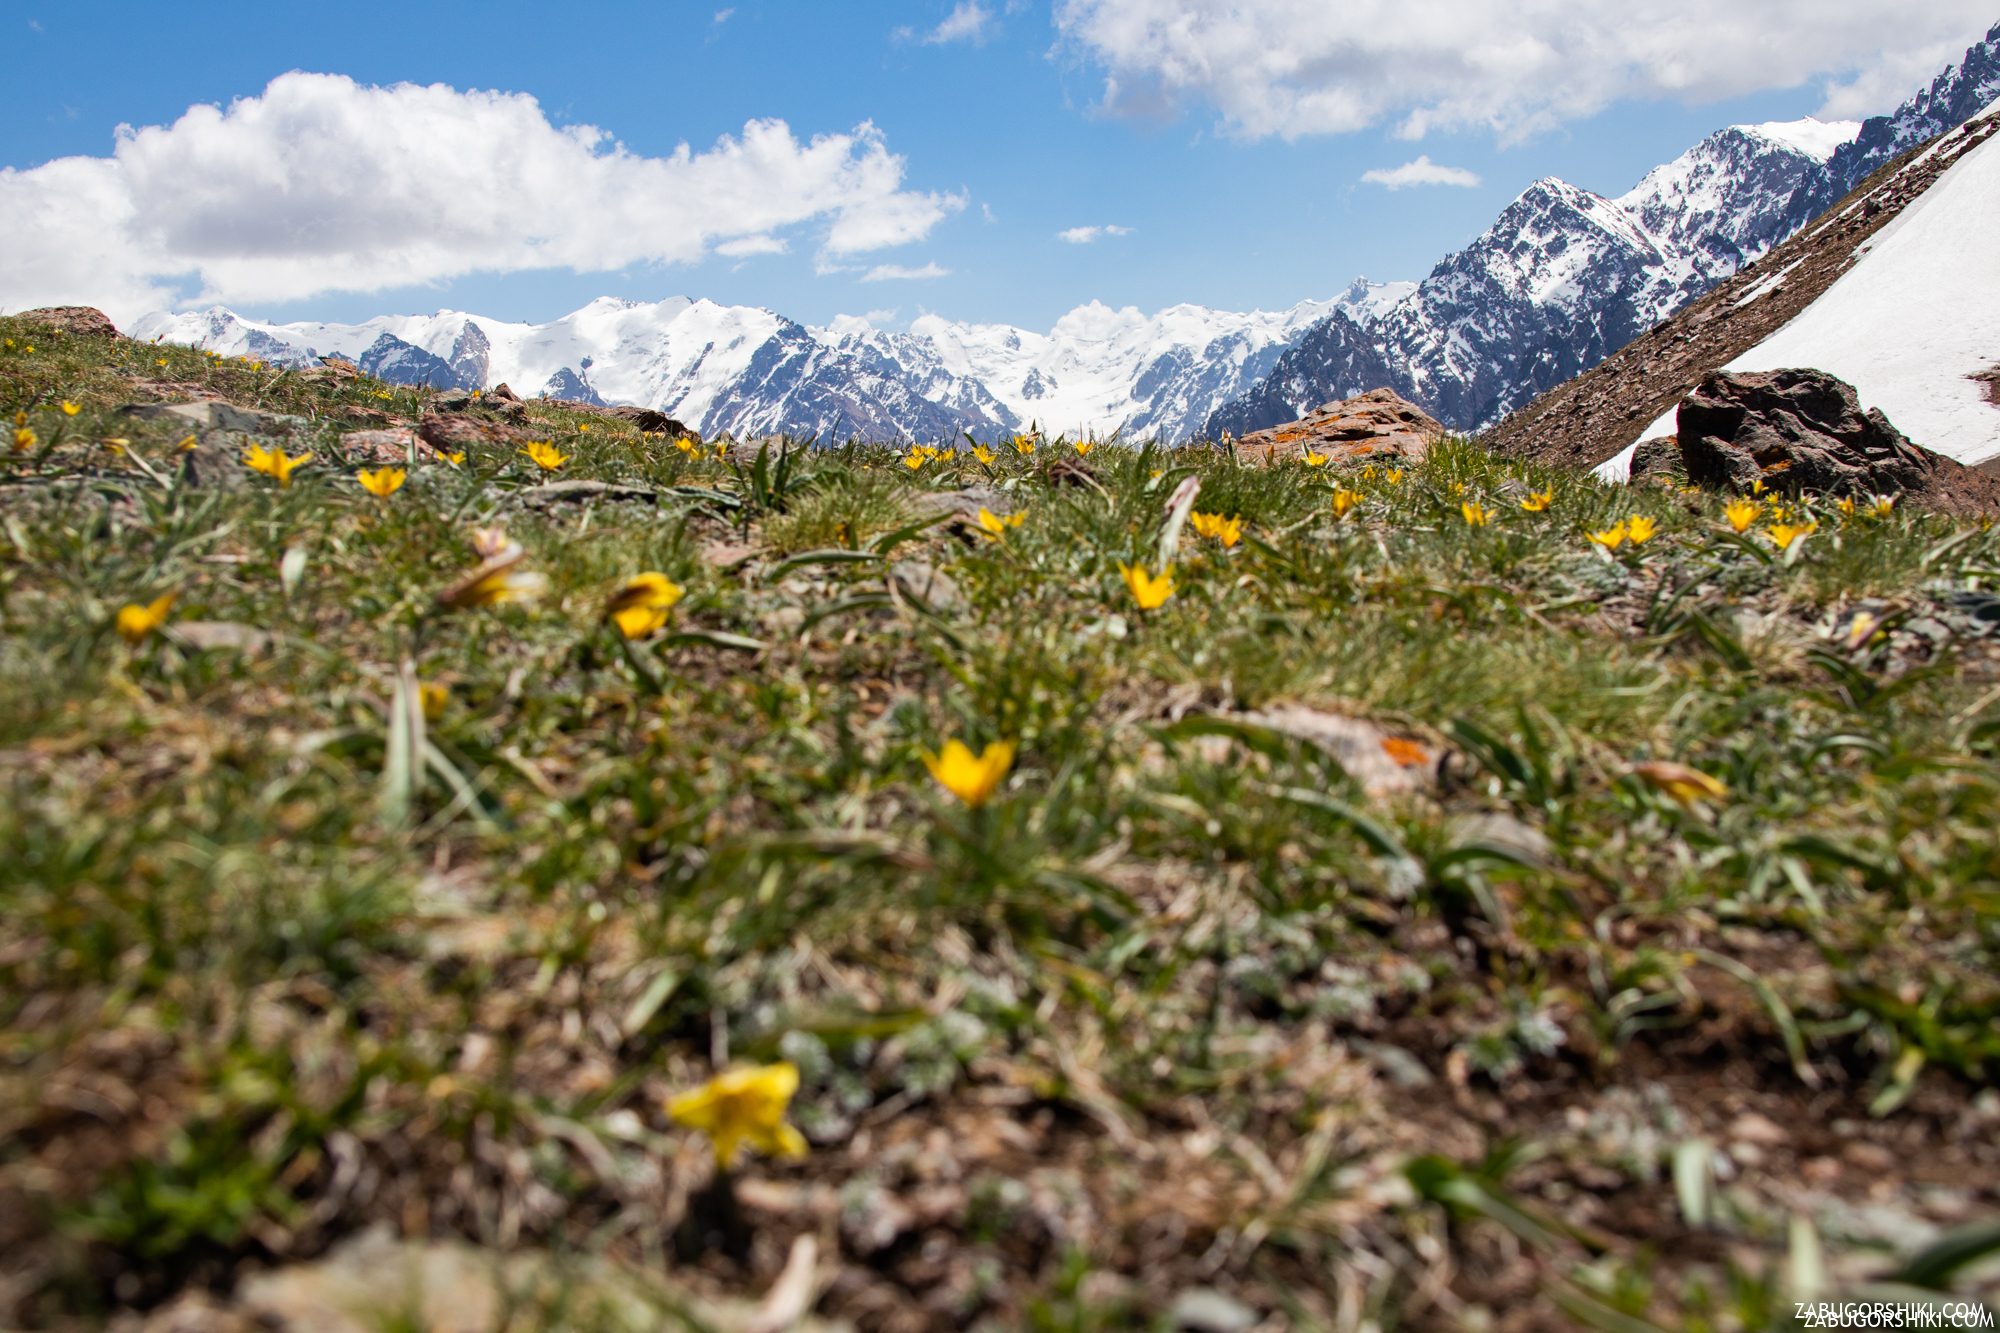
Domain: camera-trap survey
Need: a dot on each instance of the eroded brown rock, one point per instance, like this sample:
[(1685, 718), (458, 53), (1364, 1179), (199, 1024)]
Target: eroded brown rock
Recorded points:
[(1379, 424), (80, 319)]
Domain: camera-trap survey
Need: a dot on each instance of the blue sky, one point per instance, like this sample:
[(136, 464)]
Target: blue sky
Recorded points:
[(1240, 186)]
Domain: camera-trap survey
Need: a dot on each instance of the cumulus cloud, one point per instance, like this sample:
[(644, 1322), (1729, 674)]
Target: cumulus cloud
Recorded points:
[(903, 273), (1085, 235), (1421, 171), (322, 184), (968, 21), (1297, 67)]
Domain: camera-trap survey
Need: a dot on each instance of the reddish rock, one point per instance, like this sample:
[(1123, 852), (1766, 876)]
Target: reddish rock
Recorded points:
[(379, 446), (456, 432), (86, 320), (1379, 424)]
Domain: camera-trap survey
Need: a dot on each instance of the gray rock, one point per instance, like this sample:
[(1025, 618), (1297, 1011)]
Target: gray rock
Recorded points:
[(215, 416)]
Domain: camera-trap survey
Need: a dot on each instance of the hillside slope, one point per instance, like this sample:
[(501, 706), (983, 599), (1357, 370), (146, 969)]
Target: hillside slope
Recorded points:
[(1599, 414)]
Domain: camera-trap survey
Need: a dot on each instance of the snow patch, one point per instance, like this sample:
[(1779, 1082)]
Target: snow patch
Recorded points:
[(1817, 139)]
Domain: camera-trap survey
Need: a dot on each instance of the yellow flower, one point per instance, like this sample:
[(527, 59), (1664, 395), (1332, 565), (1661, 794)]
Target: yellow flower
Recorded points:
[(1083, 447), (687, 446), (1612, 537), (743, 1106), (1757, 486), (70, 409), (583, 429), (1845, 504), (547, 457), (135, 622), (913, 460), (971, 778), (1476, 515), (1368, 473), (1312, 458), (1457, 488), (1685, 785), (983, 454), (1639, 529), (1024, 444), (186, 445), (1538, 501), (1150, 591), (382, 482), (274, 463), (1393, 475), (24, 439), (1228, 531), (456, 458), (1741, 513), (641, 606), (1883, 505), (1344, 500), (496, 578), (1782, 535), (433, 697), (994, 525), (117, 444), (382, 393)]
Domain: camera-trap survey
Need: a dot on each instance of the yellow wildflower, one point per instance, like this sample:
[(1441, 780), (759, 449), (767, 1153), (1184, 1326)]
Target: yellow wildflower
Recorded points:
[(1150, 591), (1845, 504), (547, 457), (433, 697), (24, 439), (1883, 505), (641, 606), (1612, 537), (135, 622), (1024, 444), (1313, 458), (1083, 448), (381, 483), (496, 578), (1393, 475), (274, 463), (456, 458), (1741, 513), (69, 409), (1538, 501), (743, 1106), (1228, 531), (1685, 785), (186, 445), (1782, 535), (1344, 500), (913, 460), (971, 778), (996, 525), (983, 454), (1476, 515), (1639, 529), (1757, 486)]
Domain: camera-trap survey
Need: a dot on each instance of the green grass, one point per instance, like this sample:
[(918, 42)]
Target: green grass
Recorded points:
[(1184, 1007)]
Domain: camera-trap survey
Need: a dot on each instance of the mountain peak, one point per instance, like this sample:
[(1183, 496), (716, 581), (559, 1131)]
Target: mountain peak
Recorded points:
[(1817, 139)]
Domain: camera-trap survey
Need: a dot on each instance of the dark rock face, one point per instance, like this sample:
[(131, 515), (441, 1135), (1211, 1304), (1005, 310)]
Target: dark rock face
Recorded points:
[(83, 319), (567, 386), (1804, 430), (394, 361), (1333, 359)]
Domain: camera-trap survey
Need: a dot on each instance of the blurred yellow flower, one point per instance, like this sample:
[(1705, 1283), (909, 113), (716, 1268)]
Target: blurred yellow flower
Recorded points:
[(1845, 504), (1393, 475), (187, 445), (1639, 529), (983, 454), (743, 1106), (1476, 515), (971, 778), (641, 606), (1024, 444), (1741, 513), (382, 482), (1150, 591), (1538, 501), (1344, 500), (1757, 486), (547, 457), (433, 697), (70, 409), (1313, 458), (1685, 785), (497, 577), (274, 463), (1083, 447), (1610, 538), (456, 458), (135, 622), (1782, 535), (1228, 531), (24, 439), (913, 460), (996, 525), (1883, 506)]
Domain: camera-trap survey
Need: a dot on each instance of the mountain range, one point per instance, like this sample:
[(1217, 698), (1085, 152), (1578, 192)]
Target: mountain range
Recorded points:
[(1561, 280)]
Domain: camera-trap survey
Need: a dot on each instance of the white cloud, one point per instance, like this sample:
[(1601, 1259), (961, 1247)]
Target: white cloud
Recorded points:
[(1085, 235), (1295, 67), (903, 273), (968, 21), (1422, 171), (722, 16), (747, 246), (321, 184)]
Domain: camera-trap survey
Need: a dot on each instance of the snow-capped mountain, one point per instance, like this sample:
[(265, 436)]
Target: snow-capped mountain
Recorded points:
[(1565, 277)]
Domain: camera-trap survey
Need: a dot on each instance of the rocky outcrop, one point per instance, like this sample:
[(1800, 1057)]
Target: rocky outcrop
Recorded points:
[(86, 320), (1379, 424), (1804, 431)]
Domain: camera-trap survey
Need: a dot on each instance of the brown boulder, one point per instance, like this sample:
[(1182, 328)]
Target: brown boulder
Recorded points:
[(80, 319), (1803, 430), (457, 432), (1379, 424)]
